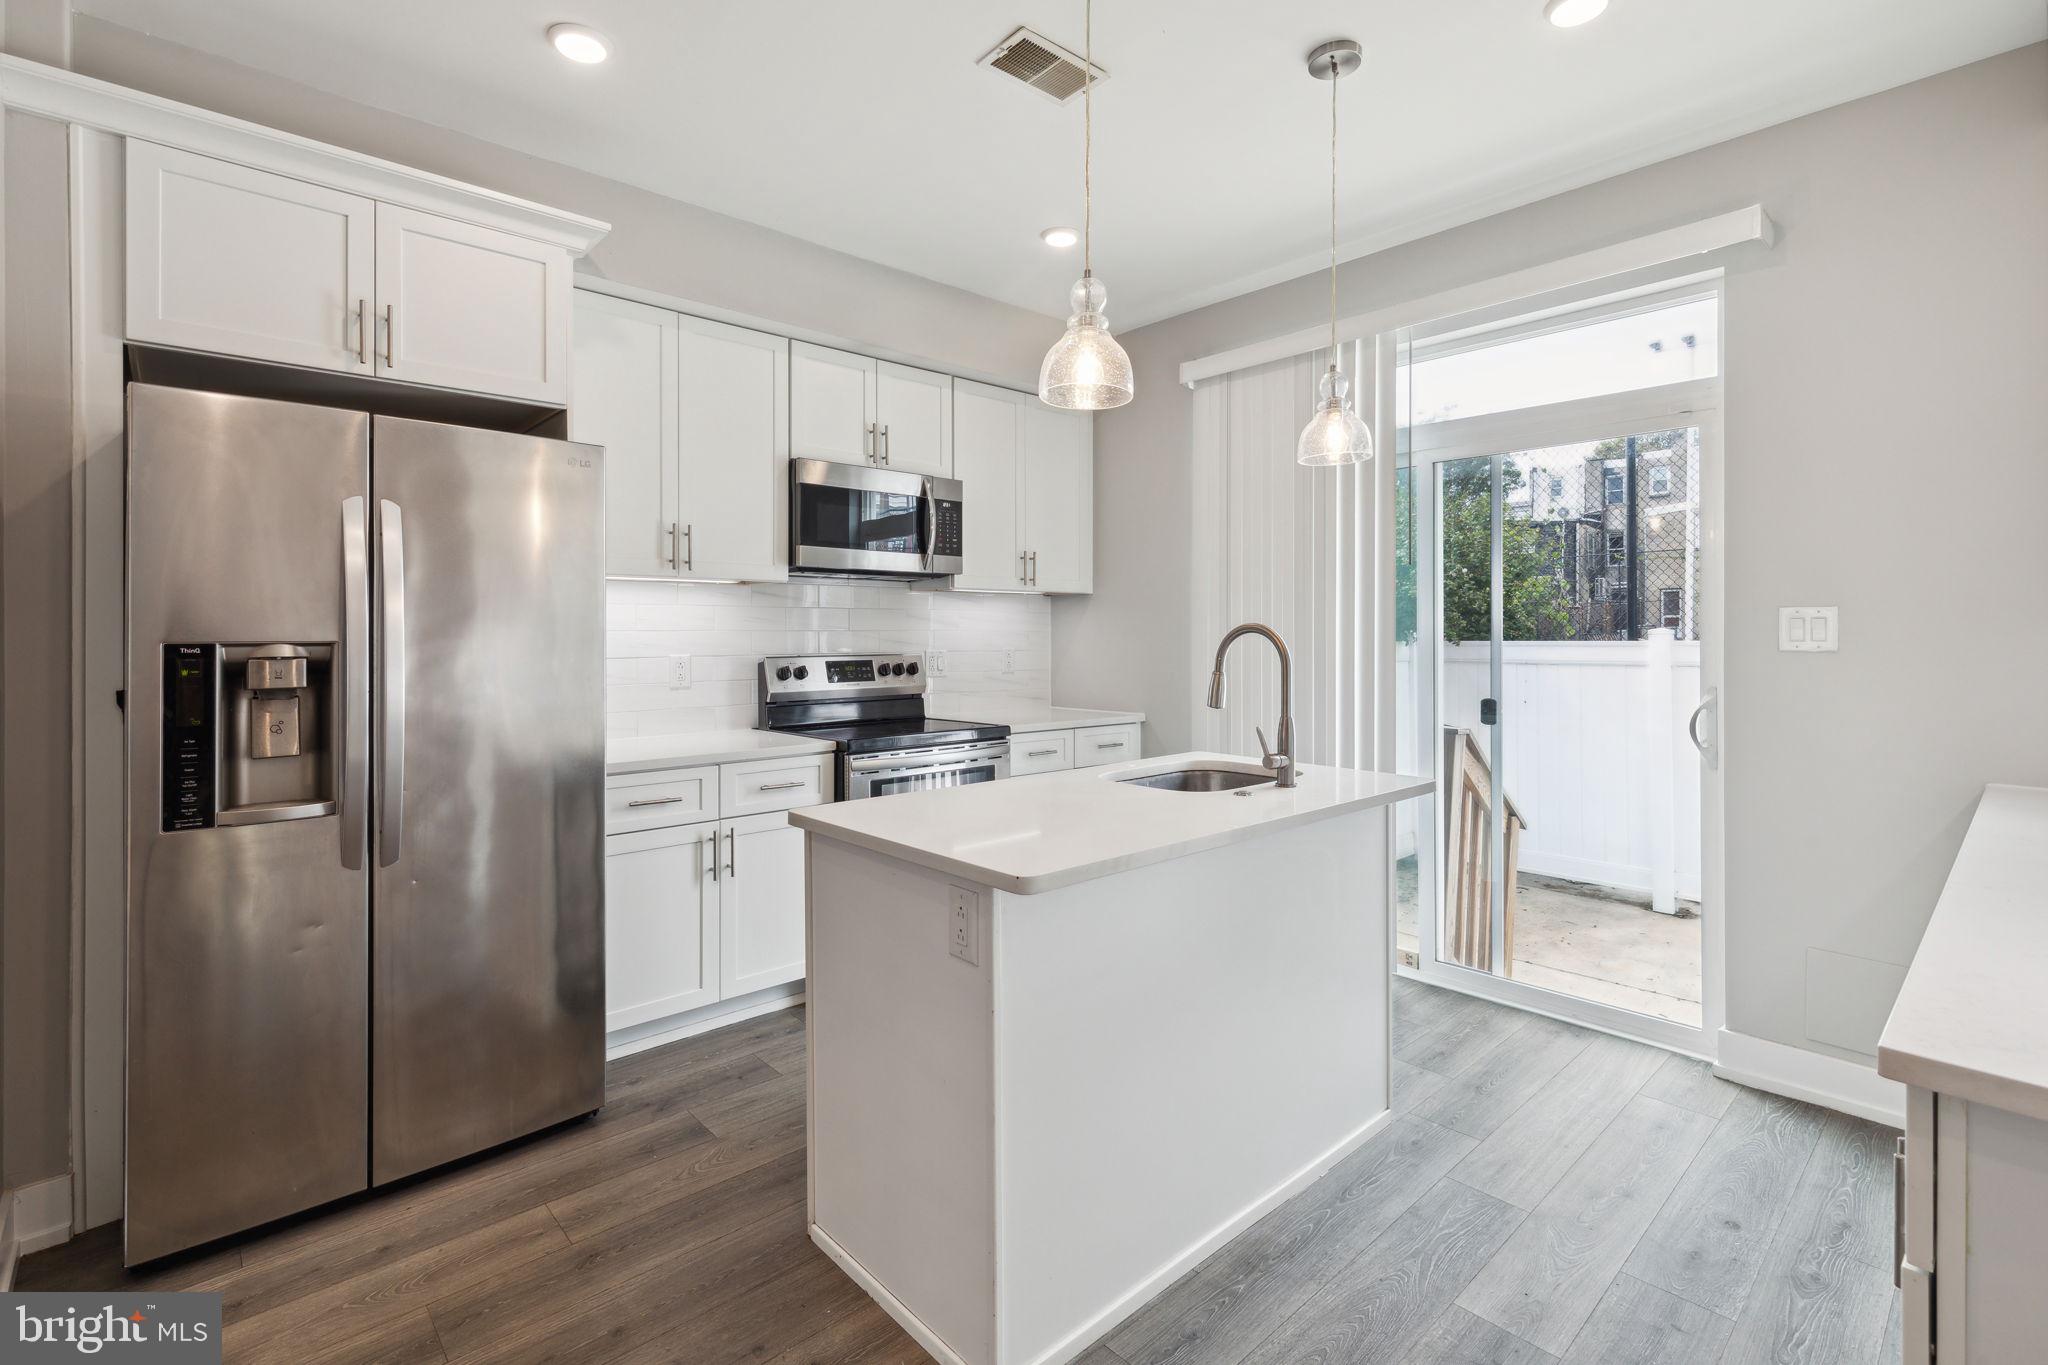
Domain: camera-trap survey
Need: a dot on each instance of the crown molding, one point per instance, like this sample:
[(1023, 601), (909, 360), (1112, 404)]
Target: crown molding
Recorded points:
[(52, 92)]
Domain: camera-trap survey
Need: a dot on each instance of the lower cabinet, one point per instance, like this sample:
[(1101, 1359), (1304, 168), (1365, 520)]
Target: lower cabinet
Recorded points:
[(661, 923), (1092, 746), (761, 905)]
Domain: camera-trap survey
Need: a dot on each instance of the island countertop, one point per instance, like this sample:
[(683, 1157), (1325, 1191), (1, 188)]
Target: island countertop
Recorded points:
[(1033, 834), (1970, 1017)]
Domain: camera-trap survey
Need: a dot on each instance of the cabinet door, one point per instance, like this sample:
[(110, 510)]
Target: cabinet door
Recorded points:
[(660, 924), (761, 904), (831, 404), (988, 431), (466, 307), (1041, 751), (914, 409), (624, 399), (734, 452), (222, 258), (1059, 499)]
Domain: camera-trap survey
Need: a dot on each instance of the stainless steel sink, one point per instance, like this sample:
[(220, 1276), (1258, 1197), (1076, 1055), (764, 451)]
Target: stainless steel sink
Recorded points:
[(1199, 780)]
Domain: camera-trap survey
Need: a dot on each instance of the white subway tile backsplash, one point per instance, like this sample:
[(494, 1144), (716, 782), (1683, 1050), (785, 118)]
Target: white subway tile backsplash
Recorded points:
[(725, 629)]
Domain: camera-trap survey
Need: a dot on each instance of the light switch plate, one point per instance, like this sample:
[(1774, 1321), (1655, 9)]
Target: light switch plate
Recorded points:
[(678, 672), (1809, 630), (965, 926)]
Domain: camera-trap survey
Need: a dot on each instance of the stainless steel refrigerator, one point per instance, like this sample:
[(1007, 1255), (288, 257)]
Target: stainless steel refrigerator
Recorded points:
[(365, 717)]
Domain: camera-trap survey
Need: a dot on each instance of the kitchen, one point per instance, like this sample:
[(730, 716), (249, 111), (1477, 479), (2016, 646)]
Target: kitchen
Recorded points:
[(819, 816)]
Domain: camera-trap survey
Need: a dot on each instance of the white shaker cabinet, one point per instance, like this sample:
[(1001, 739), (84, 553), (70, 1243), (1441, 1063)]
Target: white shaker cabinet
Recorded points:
[(465, 307), (914, 418), (854, 409), (624, 399), (236, 261), (694, 419), (831, 404), (733, 451), (988, 439), (661, 923), (761, 905), (1058, 536), (227, 259)]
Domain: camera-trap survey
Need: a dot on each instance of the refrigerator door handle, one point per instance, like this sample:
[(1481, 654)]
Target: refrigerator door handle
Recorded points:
[(355, 692), (391, 692)]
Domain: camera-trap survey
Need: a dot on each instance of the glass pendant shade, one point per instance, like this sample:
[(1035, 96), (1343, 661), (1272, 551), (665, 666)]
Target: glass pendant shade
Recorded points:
[(1086, 369), (1336, 434)]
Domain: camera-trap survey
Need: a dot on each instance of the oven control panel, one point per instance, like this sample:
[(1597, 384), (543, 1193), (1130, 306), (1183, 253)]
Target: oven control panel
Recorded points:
[(851, 675)]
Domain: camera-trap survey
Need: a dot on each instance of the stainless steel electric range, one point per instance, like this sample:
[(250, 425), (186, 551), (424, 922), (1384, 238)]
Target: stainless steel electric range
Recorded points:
[(871, 706)]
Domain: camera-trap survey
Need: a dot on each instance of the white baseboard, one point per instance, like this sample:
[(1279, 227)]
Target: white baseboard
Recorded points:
[(640, 1038), (1811, 1076), (1077, 1342), (41, 1214)]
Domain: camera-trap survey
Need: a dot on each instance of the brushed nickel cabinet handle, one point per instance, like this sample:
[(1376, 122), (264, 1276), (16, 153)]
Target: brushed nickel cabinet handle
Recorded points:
[(1034, 568), (885, 443), (655, 801), (1023, 566), (780, 786), (673, 562), (390, 338), (714, 854), (1109, 744), (732, 854), (362, 331), (689, 545), (1040, 753), (869, 446)]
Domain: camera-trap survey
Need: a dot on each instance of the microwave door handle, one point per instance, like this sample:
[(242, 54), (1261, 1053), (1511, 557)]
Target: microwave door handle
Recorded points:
[(391, 692), (930, 538), (354, 679)]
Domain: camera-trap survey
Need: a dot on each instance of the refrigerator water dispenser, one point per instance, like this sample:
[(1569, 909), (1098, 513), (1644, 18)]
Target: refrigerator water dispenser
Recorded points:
[(247, 734)]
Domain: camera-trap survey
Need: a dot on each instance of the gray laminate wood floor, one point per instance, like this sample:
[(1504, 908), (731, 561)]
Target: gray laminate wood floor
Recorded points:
[(1544, 1194)]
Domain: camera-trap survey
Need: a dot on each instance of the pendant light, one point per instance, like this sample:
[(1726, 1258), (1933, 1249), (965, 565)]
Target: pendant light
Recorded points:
[(1335, 435), (1085, 368)]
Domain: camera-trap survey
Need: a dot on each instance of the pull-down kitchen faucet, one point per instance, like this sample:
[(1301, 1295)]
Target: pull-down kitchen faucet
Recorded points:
[(1279, 760)]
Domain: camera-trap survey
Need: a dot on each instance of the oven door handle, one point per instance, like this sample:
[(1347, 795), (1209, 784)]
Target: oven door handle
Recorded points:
[(950, 757)]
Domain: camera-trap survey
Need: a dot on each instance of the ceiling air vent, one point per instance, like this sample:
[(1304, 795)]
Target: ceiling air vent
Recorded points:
[(1040, 63)]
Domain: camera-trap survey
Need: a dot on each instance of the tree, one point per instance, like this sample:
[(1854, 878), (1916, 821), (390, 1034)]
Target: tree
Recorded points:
[(1533, 597)]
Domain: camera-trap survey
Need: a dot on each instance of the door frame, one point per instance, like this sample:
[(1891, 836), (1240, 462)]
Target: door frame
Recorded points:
[(1692, 403)]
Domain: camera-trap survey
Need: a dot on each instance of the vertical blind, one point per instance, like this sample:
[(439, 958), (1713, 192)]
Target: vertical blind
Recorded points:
[(1289, 547)]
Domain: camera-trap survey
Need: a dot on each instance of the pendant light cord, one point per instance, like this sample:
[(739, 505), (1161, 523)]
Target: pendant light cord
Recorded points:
[(1088, 139), (1334, 74)]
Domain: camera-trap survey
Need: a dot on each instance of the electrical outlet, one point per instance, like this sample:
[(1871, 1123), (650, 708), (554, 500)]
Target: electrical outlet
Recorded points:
[(966, 921), (1809, 630), (938, 663), (1009, 662), (678, 672)]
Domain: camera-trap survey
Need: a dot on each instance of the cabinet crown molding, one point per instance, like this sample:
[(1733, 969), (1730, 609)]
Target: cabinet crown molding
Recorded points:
[(68, 97)]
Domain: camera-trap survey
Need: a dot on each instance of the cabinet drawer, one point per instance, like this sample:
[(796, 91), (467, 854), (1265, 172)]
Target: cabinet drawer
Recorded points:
[(774, 784), (653, 800), (1105, 744), (1046, 751)]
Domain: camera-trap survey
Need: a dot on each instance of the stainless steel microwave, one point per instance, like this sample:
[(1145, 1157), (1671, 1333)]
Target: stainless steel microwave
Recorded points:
[(858, 519)]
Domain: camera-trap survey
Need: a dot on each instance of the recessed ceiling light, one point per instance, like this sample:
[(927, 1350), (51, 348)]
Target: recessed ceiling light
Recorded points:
[(1572, 13), (580, 44), (1059, 238)]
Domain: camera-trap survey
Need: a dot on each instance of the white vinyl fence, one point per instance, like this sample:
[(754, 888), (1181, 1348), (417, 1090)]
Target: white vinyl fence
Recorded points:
[(1597, 757)]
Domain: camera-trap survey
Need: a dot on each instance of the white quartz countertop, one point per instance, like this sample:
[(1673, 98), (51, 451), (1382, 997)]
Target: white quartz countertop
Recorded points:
[(1034, 834), (651, 753), (1027, 717), (1973, 1011)]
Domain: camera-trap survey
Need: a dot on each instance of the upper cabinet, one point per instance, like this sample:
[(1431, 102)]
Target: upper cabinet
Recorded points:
[(228, 259), (471, 308), (223, 258), (694, 419), (624, 399), (854, 409), (1027, 492)]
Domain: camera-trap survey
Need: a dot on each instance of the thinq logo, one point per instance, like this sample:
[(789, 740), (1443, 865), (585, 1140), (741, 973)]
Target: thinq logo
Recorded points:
[(60, 1326)]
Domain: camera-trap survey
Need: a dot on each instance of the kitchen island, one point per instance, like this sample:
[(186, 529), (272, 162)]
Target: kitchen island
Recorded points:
[(1069, 1034)]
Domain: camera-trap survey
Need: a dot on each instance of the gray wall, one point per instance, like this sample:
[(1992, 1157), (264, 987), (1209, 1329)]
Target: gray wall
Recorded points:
[(1887, 451), (35, 625)]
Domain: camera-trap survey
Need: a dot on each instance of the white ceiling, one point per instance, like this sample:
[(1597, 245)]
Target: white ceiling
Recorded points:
[(868, 127)]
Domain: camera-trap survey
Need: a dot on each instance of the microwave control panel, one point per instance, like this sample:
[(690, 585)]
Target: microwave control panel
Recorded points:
[(190, 719), (946, 534)]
